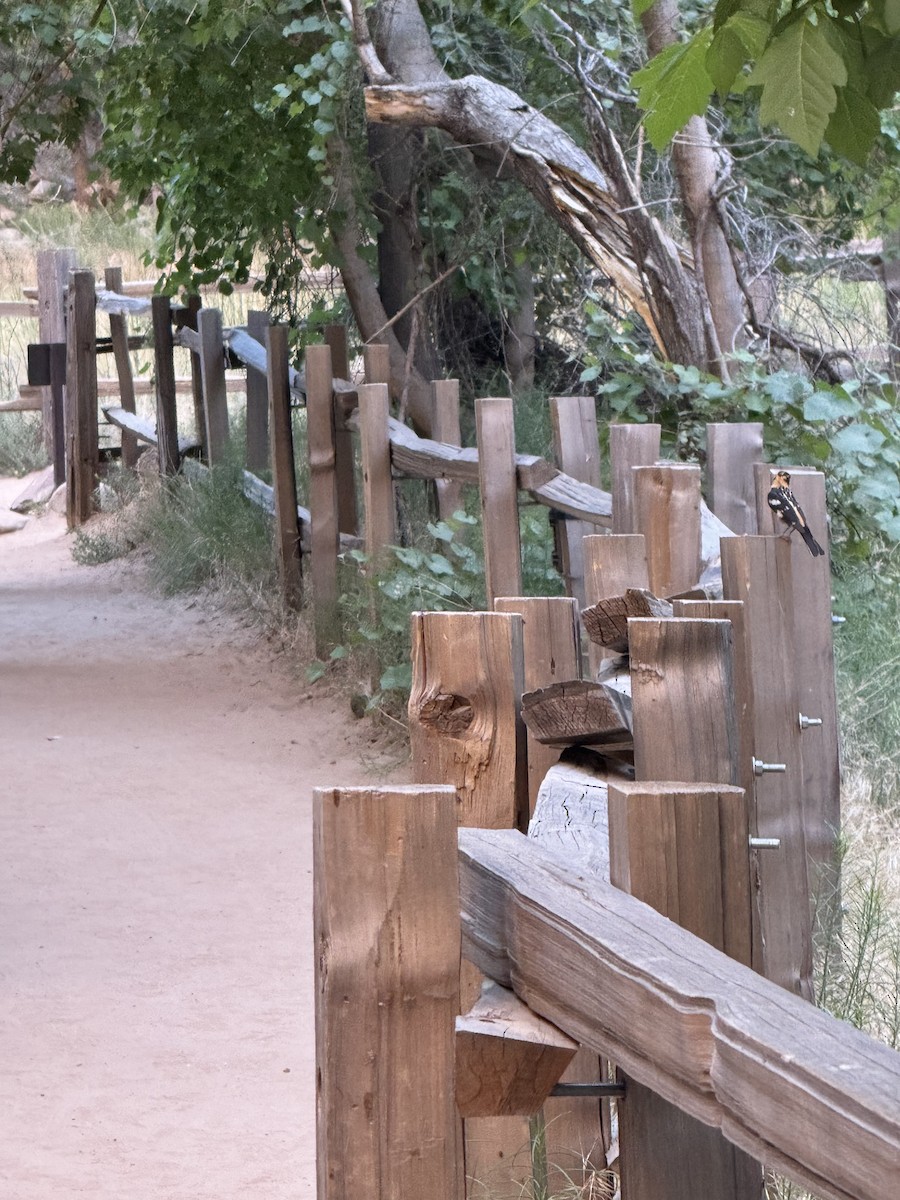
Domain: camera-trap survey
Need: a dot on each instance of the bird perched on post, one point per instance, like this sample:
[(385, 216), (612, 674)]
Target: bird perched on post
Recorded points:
[(783, 502)]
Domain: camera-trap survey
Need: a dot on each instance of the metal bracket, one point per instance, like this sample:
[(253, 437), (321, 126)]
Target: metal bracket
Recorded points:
[(615, 1091)]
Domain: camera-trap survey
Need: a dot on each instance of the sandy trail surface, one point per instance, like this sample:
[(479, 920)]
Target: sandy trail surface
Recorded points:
[(156, 998)]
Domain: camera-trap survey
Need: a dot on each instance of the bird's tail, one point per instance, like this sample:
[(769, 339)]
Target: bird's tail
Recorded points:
[(812, 545)]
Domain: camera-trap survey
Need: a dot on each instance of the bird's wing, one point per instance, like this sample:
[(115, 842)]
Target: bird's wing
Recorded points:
[(791, 502)]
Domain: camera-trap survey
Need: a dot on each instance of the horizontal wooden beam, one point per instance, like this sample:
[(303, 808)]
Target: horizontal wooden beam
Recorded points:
[(794, 1087), (19, 308)]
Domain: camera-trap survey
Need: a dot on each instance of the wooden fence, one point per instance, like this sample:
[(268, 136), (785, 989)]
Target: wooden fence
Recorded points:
[(678, 743)]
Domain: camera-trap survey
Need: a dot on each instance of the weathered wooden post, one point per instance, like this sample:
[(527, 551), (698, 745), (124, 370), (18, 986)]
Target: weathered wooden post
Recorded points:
[(629, 446), (377, 363), (53, 267), (813, 673), (193, 305), (466, 730), (257, 399), (612, 563), (757, 570), (445, 428), (667, 513), (82, 451), (212, 373), (732, 448), (577, 450), (118, 332), (387, 935), (344, 403), (378, 485), (166, 400), (323, 495), (496, 437), (683, 849), (284, 482)]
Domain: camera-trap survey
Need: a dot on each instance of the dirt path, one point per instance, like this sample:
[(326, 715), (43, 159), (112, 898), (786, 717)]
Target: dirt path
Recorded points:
[(156, 765)]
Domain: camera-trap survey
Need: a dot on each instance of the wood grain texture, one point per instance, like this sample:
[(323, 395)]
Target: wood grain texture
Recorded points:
[(53, 267), (212, 374), (576, 447), (387, 992), (551, 653), (606, 622), (189, 322), (667, 513), (496, 435), (578, 712), (507, 1057), (378, 485), (612, 564), (377, 363), (257, 399), (732, 448), (682, 686), (281, 454), (348, 516), (445, 429), (757, 570), (784, 1081), (629, 446), (166, 396), (323, 496), (118, 332), (82, 452)]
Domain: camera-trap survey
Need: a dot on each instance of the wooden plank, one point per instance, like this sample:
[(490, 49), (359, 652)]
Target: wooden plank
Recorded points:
[(19, 309), (606, 622), (551, 653), (348, 517), (422, 458), (682, 687), (496, 436), (53, 267), (28, 400), (281, 455), (612, 564), (667, 513), (507, 1057), (377, 363), (143, 430), (82, 450), (814, 674), (578, 500), (323, 496), (212, 374), (784, 1081), (378, 484), (578, 712), (683, 849), (166, 405), (629, 446), (189, 324), (445, 428), (576, 447), (757, 570), (257, 398), (731, 449), (118, 332), (385, 916)]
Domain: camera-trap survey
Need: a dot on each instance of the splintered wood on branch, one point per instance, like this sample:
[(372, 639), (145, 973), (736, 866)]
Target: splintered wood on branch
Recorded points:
[(579, 713), (507, 1057), (606, 622)]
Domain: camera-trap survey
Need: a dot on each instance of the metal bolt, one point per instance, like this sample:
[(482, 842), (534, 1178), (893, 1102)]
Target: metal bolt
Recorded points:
[(759, 843), (764, 768), (836, 620), (809, 722)]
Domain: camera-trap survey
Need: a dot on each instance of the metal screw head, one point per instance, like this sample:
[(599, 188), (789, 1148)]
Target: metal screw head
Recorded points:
[(764, 768), (809, 722)]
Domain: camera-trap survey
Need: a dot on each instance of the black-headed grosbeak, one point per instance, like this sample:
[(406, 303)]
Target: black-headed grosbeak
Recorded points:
[(783, 501)]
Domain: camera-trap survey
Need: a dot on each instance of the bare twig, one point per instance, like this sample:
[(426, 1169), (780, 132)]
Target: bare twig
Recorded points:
[(415, 300), (365, 47)]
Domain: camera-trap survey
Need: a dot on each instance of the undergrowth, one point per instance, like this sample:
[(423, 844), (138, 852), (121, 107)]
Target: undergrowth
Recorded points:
[(21, 443)]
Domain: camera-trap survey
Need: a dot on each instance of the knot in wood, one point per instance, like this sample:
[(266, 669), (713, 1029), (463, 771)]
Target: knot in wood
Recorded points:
[(447, 713)]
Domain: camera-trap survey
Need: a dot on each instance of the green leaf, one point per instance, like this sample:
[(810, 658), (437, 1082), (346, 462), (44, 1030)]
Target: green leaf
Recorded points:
[(315, 670), (828, 405), (737, 42), (397, 678), (854, 126), (857, 439), (338, 653), (673, 87), (639, 7), (800, 73)]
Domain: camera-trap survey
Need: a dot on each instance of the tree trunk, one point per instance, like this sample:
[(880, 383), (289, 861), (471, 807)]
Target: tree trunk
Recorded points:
[(519, 339)]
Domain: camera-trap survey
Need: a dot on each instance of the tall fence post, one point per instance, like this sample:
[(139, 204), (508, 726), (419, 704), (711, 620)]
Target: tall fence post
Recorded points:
[(257, 399), (577, 450), (445, 428), (682, 849), (348, 518), (499, 497), (284, 482), (194, 304), (53, 267), (82, 451), (212, 373), (378, 486), (667, 513), (377, 363), (118, 332), (166, 400), (629, 446), (323, 494), (612, 563), (387, 937), (757, 570), (732, 448), (465, 729)]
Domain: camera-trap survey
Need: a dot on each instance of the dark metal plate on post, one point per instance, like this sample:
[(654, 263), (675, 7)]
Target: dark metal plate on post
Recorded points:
[(39, 364)]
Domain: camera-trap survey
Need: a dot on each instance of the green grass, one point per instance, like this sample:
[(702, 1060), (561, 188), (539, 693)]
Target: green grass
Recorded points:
[(21, 443)]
